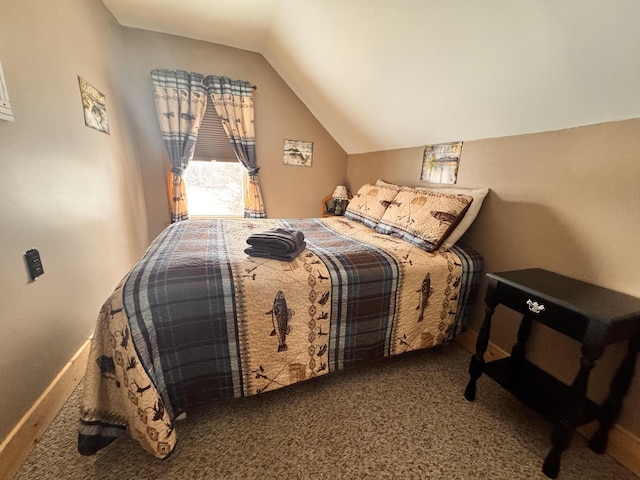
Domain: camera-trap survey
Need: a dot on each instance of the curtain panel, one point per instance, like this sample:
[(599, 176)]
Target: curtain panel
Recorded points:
[(180, 100), (233, 101)]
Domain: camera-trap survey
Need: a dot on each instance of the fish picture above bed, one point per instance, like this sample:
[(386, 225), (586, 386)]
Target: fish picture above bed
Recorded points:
[(198, 319)]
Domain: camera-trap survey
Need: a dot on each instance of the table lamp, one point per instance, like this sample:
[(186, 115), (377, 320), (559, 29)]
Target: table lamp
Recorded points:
[(340, 193)]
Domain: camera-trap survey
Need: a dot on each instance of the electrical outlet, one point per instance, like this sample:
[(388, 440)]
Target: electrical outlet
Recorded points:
[(34, 263)]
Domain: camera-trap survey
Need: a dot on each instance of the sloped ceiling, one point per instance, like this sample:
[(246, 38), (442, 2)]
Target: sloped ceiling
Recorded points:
[(387, 74)]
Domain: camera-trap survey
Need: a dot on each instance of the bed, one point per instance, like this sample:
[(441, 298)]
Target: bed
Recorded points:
[(198, 320)]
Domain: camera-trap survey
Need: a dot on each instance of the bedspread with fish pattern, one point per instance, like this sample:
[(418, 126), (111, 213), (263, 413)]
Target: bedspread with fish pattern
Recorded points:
[(197, 319)]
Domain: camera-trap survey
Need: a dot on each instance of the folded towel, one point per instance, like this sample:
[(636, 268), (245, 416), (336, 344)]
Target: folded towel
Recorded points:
[(277, 240), (264, 253)]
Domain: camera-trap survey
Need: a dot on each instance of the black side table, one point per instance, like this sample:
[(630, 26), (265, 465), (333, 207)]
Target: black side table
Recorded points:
[(594, 316)]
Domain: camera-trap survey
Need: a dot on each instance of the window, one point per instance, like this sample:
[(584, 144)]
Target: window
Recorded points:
[(215, 178), (215, 188)]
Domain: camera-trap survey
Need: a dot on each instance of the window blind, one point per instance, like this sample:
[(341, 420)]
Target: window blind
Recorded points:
[(213, 143)]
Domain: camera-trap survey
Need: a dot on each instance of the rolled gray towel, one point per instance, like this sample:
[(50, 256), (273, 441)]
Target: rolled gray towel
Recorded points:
[(287, 257), (277, 240)]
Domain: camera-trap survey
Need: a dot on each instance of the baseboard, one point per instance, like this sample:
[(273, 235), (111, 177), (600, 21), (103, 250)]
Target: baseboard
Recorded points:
[(468, 340), (622, 446), (16, 447)]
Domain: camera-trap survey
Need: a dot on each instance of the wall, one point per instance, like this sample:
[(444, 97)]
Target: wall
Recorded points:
[(288, 191), (567, 201), (70, 191)]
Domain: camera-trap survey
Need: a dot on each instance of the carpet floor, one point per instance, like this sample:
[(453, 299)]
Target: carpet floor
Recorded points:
[(401, 418)]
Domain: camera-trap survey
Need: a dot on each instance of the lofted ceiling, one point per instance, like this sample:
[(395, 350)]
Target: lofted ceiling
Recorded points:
[(387, 74)]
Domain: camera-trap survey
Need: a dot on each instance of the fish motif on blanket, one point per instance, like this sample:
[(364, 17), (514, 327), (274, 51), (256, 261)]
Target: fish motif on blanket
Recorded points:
[(425, 292), (280, 316)]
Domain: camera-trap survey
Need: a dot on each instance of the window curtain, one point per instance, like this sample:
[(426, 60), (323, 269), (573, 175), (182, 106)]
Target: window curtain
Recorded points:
[(181, 101), (233, 101)]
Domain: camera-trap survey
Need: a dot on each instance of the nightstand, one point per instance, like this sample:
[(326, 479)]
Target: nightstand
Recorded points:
[(592, 315)]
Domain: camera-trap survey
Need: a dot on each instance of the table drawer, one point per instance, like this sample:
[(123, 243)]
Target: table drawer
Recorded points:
[(557, 317)]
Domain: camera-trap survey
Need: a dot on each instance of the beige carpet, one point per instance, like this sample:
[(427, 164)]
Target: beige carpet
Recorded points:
[(402, 418)]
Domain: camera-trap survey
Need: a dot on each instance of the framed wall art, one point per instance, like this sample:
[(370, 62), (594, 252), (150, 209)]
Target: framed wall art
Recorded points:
[(298, 152), (94, 106), (5, 107), (440, 163)]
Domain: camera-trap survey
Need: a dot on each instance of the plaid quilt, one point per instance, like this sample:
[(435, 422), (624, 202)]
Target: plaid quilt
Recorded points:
[(197, 319)]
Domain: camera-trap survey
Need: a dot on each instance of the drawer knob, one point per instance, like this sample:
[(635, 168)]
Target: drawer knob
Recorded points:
[(535, 307)]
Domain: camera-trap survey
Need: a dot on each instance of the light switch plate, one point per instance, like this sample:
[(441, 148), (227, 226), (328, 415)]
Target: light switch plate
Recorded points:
[(34, 263)]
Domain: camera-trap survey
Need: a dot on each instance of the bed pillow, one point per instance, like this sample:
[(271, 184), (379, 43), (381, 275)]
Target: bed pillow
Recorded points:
[(369, 204), (423, 218), (478, 195)]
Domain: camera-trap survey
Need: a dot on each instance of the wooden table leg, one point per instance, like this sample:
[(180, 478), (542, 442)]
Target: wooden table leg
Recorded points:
[(613, 404), (519, 350), (563, 430), (477, 360)]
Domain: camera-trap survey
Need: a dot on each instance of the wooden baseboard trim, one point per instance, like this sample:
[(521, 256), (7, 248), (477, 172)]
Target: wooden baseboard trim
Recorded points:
[(623, 446), (468, 340), (15, 448)]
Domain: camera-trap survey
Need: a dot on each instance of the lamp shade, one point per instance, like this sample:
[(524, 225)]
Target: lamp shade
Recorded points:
[(340, 193)]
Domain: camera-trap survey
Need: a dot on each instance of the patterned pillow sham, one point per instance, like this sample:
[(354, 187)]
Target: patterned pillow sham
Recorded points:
[(423, 218), (369, 204), (478, 195)]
